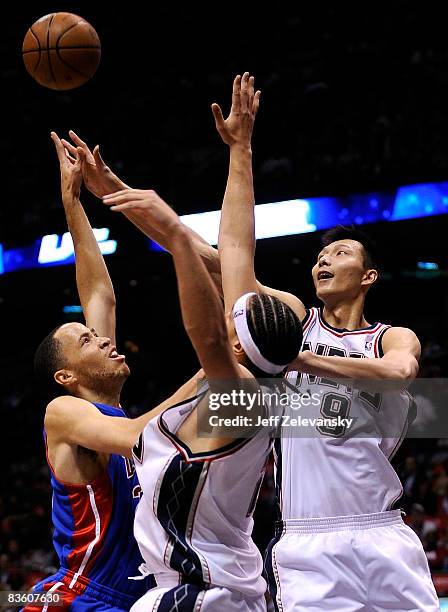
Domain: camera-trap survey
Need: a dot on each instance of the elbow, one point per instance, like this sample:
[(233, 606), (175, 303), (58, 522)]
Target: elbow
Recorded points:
[(408, 370)]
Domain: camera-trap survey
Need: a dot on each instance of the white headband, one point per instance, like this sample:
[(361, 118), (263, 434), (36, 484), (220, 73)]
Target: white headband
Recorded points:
[(246, 340)]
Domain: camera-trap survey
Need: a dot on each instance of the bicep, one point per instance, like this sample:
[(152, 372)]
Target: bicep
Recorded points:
[(402, 347), (78, 422), (401, 339), (237, 275)]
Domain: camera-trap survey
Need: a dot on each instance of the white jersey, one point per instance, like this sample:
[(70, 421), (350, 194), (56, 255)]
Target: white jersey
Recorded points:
[(328, 472), (194, 521)]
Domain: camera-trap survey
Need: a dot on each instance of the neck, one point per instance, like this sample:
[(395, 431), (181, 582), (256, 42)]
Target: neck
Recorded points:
[(111, 397), (346, 315)]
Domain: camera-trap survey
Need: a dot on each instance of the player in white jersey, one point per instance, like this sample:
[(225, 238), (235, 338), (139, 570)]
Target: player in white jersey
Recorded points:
[(194, 521), (340, 545)]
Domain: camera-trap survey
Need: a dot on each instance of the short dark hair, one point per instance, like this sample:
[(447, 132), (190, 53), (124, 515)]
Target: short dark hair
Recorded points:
[(48, 359), (275, 329), (351, 232)]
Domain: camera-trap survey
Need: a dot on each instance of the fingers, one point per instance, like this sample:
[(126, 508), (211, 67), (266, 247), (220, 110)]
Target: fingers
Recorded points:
[(125, 195), (77, 140), (80, 143), (71, 159), (80, 156), (59, 147), (256, 102), (69, 147), (97, 157), (236, 91), (217, 114), (244, 95), (132, 205), (250, 94)]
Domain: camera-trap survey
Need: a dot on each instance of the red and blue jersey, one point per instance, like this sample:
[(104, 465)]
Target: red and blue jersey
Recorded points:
[(93, 531)]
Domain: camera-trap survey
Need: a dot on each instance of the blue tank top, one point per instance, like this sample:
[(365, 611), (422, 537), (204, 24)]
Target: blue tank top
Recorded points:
[(93, 526)]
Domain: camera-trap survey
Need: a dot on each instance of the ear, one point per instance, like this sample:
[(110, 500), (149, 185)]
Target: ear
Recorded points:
[(233, 337), (370, 276), (65, 378)]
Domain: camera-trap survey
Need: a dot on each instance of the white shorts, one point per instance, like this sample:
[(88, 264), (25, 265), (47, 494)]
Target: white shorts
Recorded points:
[(369, 563), (190, 598)]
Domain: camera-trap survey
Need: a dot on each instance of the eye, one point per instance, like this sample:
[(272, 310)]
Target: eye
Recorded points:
[(85, 340), (341, 251)]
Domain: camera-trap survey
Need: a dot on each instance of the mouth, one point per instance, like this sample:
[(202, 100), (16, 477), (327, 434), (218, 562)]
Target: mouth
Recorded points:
[(324, 275), (113, 354)]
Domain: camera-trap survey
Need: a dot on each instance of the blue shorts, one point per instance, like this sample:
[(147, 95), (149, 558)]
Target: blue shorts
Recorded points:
[(85, 595)]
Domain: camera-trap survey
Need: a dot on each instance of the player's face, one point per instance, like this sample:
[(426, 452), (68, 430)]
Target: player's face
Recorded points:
[(90, 356), (339, 270)]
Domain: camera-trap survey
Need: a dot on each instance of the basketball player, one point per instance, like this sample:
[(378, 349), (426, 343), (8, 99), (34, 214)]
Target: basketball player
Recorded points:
[(339, 545), (95, 491)]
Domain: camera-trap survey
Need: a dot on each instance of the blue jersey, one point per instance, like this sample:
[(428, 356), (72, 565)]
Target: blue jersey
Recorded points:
[(93, 530)]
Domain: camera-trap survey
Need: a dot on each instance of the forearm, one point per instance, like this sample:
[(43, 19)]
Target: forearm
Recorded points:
[(202, 312), (207, 253), (237, 226), (92, 278), (370, 374)]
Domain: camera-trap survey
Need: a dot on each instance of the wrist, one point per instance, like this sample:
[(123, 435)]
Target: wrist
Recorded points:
[(305, 362), (240, 148)]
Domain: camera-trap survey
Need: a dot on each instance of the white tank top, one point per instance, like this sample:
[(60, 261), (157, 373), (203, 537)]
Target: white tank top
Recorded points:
[(194, 521), (325, 472)]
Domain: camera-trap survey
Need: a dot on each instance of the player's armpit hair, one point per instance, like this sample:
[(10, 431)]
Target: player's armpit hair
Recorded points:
[(275, 329)]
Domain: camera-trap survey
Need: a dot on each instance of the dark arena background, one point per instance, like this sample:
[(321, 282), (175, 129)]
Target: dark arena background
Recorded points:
[(354, 102)]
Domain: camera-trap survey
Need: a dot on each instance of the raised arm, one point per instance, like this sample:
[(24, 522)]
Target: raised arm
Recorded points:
[(202, 312), (95, 289), (236, 243)]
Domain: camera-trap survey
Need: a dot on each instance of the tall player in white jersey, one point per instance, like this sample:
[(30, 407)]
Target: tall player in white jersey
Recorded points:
[(340, 546)]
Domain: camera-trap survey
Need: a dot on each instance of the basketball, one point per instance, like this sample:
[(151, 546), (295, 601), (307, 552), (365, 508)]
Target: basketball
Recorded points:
[(61, 51)]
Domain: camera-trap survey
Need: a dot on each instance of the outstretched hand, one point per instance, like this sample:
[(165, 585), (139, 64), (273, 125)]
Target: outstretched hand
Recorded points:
[(237, 128), (71, 169), (98, 178), (146, 201)]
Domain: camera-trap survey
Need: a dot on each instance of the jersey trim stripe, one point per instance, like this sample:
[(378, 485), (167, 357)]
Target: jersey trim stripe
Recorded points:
[(378, 348), (308, 318), (191, 457), (92, 544), (53, 588), (372, 329)]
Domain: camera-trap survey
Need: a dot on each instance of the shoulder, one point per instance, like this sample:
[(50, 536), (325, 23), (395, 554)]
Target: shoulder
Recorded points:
[(402, 339), (62, 410)]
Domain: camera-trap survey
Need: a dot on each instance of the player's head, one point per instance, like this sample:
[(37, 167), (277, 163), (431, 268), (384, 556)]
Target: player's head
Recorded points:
[(73, 357), (346, 266), (266, 333)]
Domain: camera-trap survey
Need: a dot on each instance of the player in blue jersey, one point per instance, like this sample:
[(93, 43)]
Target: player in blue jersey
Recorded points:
[(95, 488)]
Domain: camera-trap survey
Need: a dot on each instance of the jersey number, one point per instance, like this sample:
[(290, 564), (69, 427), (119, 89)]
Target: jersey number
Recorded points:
[(334, 405)]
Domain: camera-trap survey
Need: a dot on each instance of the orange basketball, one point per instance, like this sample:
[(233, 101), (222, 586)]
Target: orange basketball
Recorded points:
[(61, 51)]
